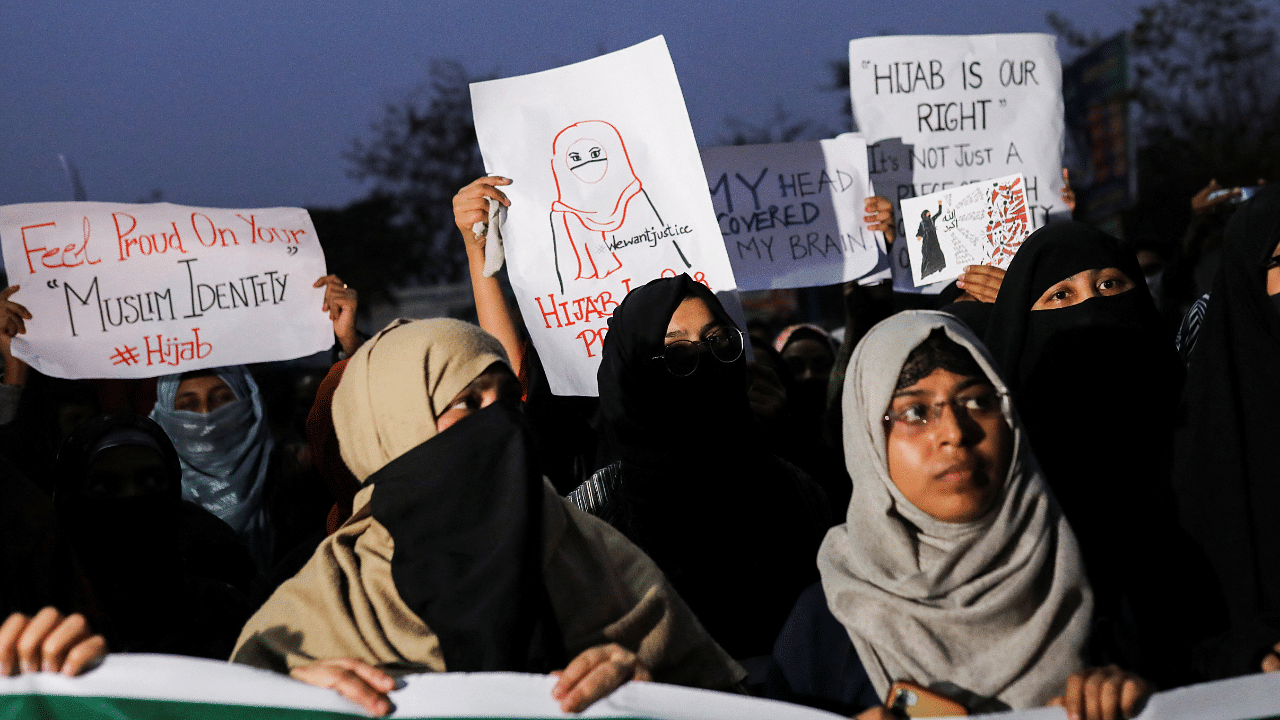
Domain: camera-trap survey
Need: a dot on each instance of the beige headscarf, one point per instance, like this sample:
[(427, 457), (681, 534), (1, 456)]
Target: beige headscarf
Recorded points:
[(999, 606), (344, 603), (378, 409)]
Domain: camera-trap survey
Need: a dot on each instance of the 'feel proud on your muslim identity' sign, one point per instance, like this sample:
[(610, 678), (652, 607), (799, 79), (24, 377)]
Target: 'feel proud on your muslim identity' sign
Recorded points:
[(943, 111), (791, 213), (129, 291), (608, 193)]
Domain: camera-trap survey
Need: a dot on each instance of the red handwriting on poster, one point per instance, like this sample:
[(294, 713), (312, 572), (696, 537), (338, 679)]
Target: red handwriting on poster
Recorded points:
[(69, 256), (1007, 222)]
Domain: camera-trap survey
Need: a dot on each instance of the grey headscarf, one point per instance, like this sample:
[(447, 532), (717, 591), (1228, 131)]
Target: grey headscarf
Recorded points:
[(226, 456), (998, 606)]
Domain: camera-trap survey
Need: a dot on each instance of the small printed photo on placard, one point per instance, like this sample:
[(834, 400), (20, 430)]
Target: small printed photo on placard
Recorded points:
[(983, 223)]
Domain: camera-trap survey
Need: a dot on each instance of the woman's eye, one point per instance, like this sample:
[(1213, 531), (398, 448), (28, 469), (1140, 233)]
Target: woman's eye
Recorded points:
[(1060, 295), (915, 414), (985, 401), (1106, 284)]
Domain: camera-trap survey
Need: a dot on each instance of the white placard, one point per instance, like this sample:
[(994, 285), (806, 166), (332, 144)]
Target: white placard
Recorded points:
[(129, 291), (942, 111), (175, 686), (608, 193), (981, 223), (791, 213)]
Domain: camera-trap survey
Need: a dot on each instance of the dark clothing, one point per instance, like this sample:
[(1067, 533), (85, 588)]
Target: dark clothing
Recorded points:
[(37, 567), (165, 571), (703, 497), (1189, 328), (469, 564), (1227, 477), (1096, 384), (931, 258), (977, 315), (814, 662)]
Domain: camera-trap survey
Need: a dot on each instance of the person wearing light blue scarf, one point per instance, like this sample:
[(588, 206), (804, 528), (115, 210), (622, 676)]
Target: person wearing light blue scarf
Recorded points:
[(225, 447)]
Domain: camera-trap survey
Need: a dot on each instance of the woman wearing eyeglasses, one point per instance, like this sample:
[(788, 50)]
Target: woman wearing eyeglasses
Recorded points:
[(956, 571), (734, 528)]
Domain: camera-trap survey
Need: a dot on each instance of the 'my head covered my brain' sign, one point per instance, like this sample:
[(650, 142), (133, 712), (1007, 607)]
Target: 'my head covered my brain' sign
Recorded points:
[(130, 291), (791, 213)]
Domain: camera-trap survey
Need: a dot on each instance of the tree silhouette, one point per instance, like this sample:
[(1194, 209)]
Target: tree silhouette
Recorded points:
[(422, 151), (1207, 91)]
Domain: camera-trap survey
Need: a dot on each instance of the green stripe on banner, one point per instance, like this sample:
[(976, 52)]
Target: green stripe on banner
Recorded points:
[(53, 707), (71, 707)]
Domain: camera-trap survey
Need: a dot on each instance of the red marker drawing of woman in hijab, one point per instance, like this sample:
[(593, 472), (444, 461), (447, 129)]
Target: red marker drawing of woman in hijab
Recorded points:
[(594, 183)]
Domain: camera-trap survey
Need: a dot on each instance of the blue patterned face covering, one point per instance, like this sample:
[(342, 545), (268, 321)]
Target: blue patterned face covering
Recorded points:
[(225, 455)]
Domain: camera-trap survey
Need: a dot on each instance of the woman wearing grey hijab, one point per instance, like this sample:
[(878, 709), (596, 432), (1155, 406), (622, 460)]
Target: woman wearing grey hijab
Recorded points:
[(955, 569)]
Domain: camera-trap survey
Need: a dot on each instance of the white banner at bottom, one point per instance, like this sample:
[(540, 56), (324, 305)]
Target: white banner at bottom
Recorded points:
[(162, 686)]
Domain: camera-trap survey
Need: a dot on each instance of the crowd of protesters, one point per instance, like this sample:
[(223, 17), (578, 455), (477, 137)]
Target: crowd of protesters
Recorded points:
[(1053, 487)]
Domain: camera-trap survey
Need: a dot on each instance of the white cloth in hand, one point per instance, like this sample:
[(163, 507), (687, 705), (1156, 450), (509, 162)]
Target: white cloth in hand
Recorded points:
[(492, 232)]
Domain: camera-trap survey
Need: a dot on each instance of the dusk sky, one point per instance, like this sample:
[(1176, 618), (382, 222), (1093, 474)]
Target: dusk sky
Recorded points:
[(252, 104)]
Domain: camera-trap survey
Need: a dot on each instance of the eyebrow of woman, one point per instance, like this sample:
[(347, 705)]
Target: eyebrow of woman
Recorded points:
[(921, 392), (705, 329)]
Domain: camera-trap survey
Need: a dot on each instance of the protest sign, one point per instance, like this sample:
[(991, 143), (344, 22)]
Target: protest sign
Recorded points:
[(608, 193), (791, 213), (129, 291), (153, 686), (942, 111), (1096, 92), (981, 223)]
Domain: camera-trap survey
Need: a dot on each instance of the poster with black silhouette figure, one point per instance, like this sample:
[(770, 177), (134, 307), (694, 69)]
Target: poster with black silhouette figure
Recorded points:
[(982, 223), (607, 193)]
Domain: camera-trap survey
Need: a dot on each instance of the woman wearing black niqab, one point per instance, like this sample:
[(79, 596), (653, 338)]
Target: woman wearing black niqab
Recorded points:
[(1096, 381), (735, 530), (1227, 478), (165, 571)]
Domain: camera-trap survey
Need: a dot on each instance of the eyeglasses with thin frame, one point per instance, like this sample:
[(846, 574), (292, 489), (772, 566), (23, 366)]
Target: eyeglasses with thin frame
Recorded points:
[(681, 357), (982, 403)]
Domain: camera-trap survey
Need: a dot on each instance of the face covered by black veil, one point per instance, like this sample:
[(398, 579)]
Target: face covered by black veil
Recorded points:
[(155, 563), (1097, 386), (1227, 475), (722, 518)]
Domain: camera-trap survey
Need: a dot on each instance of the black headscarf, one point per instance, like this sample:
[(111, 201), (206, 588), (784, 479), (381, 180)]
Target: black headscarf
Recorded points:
[(1018, 337), (465, 511), (1097, 384), (1227, 475), (160, 567), (734, 530), (653, 418)]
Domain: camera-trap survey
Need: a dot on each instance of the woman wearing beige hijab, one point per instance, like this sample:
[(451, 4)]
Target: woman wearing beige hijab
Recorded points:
[(955, 569), (458, 555)]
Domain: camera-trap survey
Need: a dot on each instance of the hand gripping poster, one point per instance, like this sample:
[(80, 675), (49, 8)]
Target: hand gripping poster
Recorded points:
[(121, 290), (943, 111), (607, 193), (791, 213)]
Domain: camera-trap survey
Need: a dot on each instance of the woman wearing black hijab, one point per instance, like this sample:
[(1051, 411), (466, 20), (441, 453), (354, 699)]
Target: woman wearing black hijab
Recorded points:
[(734, 528), (1096, 379), (165, 571), (1227, 477)]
